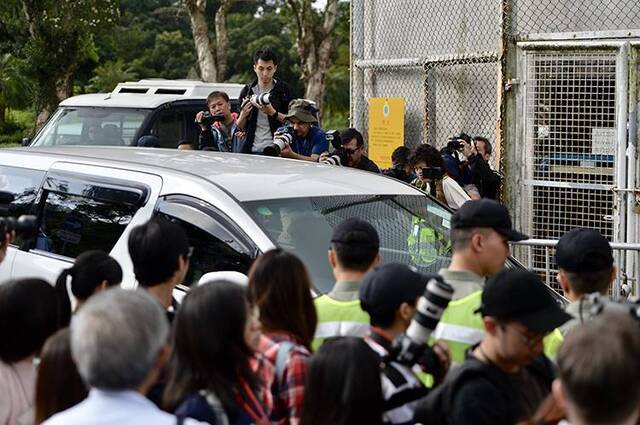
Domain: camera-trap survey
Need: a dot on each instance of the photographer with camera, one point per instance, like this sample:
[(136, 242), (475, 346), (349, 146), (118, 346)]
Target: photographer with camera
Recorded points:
[(390, 294), (302, 139), (401, 168), (350, 152), (264, 104), (483, 176), (218, 125), (434, 179)]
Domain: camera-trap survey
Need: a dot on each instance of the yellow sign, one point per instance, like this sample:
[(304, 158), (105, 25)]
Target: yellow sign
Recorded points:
[(386, 128)]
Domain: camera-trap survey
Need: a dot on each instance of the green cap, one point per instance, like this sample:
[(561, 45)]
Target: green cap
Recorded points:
[(303, 110)]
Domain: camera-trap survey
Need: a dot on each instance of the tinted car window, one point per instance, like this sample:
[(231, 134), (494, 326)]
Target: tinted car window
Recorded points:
[(413, 229), (92, 126), (72, 224), (169, 128), (214, 249), (23, 185)]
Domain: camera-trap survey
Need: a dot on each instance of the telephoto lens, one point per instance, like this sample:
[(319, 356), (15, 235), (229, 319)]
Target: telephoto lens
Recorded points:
[(260, 100), (280, 140)]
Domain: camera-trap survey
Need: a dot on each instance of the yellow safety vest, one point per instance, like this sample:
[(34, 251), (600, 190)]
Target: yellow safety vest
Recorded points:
[(338, 318), (460, 327), (425, 245)]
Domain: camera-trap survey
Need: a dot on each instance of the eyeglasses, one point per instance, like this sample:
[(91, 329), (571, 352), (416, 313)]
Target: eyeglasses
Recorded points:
[(351, 151), (529, 340)]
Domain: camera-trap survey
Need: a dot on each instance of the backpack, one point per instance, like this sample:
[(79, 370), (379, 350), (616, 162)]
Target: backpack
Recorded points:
[(436, 408)]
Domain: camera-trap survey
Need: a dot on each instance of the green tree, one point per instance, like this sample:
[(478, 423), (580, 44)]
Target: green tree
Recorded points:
[(62, 37), (14, 85), (107, 76)]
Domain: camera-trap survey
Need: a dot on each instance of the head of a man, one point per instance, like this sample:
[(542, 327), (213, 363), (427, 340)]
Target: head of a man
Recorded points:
[(218, 103), (480, 235), (118, 339), (354, 246), (389, 294), (265, 64), (301, 115), (585, 260), (518, 312), (598, 372), (159, 250), (483, 147), (352, 142), (427, 163), (400, 158)]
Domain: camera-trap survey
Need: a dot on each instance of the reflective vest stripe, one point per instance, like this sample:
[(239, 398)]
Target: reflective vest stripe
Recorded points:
[(338, 318), (458, 333), (329, 329)]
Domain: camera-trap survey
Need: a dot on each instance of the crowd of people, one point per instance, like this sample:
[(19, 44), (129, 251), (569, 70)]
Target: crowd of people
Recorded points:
[(268, 116), (502, 352)]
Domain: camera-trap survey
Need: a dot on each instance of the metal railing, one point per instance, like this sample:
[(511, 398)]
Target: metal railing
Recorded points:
[(626, 257)]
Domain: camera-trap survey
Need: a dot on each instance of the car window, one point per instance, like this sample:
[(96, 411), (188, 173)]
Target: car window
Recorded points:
[(92, 126), (413, 229), (215, 246), (72, 224), (169, 128), (23, 185)]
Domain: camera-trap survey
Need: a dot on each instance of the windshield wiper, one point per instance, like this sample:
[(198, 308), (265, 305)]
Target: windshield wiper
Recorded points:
[(370, 200)]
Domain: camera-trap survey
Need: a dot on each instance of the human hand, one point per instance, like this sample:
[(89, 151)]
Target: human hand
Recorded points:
[(267, 109), (287, 152), (442, 351), (199, 120), (323, 156), (467, 149)]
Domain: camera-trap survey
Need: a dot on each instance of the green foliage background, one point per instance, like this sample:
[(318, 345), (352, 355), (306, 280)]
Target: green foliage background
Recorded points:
[(110, 41)]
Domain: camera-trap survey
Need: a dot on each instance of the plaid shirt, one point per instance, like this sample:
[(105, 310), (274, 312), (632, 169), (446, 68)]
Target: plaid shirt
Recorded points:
[(288, 395)]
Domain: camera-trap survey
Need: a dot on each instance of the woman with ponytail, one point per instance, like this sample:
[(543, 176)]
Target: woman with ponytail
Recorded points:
[(92, 271)]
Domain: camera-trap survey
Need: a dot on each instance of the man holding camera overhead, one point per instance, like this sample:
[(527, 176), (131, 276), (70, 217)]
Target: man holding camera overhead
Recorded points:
[(264, 104), (218, 125), (301, 139)]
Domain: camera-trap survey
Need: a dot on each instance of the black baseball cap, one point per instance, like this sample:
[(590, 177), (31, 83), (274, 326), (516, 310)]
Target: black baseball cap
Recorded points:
[(486, 213), (355, 231), (520, 295), (583, 250), (462, 136), (389, 285)]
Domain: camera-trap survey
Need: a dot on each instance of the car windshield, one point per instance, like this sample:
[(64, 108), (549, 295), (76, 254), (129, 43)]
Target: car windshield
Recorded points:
[(413, 229), (92, 126)]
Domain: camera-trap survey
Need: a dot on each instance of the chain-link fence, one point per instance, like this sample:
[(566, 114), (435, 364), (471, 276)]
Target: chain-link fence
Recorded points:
[(555, 121)]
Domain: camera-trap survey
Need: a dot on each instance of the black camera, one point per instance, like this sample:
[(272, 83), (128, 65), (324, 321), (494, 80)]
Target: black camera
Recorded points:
[(208, 118), (454, 145), (432, 173), (281, 138), (339, 156), (24, 226), (411, 347)]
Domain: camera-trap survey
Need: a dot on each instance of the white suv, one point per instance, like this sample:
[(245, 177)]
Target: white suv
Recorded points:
[(232, 207), (164, 108)]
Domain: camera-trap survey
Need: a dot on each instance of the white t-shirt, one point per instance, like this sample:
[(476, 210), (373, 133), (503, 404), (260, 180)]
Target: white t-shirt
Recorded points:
[(263, 136)]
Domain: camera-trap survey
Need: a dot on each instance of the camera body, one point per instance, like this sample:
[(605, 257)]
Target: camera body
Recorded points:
[(411, 347), (454, 144), (339, 156), (432, 173), (281, 139), (209, 118)]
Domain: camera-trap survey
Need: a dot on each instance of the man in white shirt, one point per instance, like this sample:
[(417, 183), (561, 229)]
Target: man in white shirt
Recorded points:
[(119, 344)]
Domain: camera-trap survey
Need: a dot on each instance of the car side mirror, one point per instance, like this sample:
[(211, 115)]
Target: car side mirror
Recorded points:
[(26, 141), (228, 276)]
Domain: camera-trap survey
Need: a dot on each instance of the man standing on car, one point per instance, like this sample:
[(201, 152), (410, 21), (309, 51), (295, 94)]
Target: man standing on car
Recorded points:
[(257, 124), (219, 134)]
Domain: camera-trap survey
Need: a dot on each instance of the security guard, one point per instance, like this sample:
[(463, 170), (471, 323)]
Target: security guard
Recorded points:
[(353, 252), (480, 235), (585, 260)]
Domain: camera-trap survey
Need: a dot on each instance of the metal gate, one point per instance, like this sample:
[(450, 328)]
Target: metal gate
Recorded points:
[(575, 101)]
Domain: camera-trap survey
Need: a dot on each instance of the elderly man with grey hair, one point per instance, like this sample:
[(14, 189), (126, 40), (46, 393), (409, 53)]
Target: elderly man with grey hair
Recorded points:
[(119, 344)]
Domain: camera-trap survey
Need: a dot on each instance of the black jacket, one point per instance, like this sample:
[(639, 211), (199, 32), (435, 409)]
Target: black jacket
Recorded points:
[(367, 165), (281, 96), (486, 180)]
